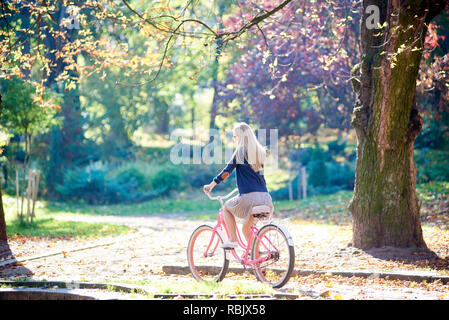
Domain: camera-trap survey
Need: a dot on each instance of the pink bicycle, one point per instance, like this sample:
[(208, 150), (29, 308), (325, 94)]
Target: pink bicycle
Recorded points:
[(271, 254)]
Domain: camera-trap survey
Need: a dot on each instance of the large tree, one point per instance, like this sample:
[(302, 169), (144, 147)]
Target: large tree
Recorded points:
[(385, 206), (391, 40)]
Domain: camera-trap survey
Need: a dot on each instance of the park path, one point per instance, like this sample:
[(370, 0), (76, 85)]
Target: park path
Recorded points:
[(156, 241), (161, 240)]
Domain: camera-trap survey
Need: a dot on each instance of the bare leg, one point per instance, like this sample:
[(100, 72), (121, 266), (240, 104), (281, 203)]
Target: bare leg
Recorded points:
[(246, 229), (230, 225)]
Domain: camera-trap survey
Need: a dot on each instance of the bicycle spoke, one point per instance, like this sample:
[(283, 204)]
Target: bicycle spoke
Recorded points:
[(280, 256), (207, 261)]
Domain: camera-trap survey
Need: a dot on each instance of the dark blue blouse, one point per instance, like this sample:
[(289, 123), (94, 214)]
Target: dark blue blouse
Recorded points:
[(247, 179)]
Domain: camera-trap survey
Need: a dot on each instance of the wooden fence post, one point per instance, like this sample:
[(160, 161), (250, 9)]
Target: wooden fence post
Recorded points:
[(298, 183), (35, 190), (17, 192), (304, 182), (290, 191)]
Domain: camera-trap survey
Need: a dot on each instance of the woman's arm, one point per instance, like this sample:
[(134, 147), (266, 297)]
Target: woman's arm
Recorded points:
[(223, 175)]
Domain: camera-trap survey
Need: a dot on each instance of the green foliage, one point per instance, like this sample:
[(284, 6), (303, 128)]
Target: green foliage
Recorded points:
[(434, 134), (94, 185), (197, 175), (104, 183), (167, 177), (89, 185), (21, 112), (131, 174), (341, 174), (432, 165), (318, 175), (159, 154), (325, 174), (336, 148)]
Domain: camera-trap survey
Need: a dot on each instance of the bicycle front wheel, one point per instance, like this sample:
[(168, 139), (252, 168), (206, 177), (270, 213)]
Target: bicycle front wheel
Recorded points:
[(274, 246), (207, 260)]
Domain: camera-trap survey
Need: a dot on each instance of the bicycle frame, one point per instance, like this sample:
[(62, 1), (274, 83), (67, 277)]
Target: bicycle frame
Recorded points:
[(222, 225)]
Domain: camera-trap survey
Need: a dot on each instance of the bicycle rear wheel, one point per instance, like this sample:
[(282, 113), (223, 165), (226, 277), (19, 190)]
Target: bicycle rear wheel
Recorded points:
[(207, 260), (275, 243)]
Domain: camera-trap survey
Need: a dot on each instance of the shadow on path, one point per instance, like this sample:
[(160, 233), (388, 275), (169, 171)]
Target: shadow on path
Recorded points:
[(414, 256), (10, 269)]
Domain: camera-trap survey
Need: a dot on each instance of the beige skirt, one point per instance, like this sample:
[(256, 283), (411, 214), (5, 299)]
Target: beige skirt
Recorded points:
[(241, 205)]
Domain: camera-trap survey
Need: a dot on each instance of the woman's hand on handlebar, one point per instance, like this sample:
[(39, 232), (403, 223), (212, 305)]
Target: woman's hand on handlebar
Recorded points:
[(208, 187)]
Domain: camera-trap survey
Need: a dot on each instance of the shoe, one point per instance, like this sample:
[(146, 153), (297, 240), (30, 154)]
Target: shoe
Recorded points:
[(229, 245)]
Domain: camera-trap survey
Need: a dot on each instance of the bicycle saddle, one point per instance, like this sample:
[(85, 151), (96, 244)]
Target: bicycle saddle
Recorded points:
[(261, 211)]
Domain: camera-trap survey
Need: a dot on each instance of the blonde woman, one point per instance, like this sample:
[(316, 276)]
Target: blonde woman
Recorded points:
[(248, 159)]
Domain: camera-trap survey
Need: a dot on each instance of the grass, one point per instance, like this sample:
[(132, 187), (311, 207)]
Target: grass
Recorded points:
[(325, 208), (224, 288), (156, 206), (429, 192), (45, 225), (50, 227), (316, 207)]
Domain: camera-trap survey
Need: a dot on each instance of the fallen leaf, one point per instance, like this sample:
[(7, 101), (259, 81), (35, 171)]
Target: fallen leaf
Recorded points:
[(326, 294)]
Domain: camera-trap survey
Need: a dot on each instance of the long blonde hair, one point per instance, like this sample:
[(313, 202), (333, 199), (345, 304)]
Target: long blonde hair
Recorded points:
[(248, 147)]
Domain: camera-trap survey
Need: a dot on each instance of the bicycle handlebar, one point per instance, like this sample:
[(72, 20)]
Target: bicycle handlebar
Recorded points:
[(220, 198)]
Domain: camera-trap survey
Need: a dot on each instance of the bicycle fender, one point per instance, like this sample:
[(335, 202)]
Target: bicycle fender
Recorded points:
[(285, 231)]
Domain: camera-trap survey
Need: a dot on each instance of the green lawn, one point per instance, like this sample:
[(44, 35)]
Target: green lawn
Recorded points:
[(45, 226), (49, 227), (329, 208), (223, 289), (156, 206)]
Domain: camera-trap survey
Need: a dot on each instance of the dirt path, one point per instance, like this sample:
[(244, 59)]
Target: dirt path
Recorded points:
[(160, 240)]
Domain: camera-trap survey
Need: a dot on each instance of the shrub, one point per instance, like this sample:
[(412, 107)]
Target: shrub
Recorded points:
[(103, 184), (335, 148), (133, 173), (432, 165), (317, 173), (323, 178), (341, 174), (198, 175), (168, 177), (90, 185)]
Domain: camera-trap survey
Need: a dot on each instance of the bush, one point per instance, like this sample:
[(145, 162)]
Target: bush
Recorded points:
[(197, 175), (341, 174), (168, 177), (336, 149), (282, 193), (133, 173), (432, 165), (90, 185), (103, 184), (317, 173), (325, 176)]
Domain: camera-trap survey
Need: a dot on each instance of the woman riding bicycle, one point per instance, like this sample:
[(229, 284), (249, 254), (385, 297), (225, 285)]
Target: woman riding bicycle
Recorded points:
[(248, 159)]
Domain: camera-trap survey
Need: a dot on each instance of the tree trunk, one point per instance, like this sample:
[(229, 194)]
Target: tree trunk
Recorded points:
[(221, 6), (161, 115), (385, 207), (3, 236)]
